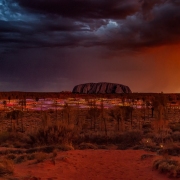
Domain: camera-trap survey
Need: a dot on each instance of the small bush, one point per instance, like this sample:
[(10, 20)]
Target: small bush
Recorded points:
[(172, 149), (102, 147), (146, 142), (97, 138), (4, 136), (132, 138), (30, 156), (87, 146), (18, 144), (147, 126), (65, 147), (20, 159), (58, 133), (6, 167), (46, 149), (14, 139), (167, 166), (175, 127), (11, 156), (161, 137), (176, 136), (40, 156)]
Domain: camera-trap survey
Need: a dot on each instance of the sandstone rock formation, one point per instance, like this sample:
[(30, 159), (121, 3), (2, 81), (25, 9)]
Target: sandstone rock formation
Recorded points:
[(102, 87)]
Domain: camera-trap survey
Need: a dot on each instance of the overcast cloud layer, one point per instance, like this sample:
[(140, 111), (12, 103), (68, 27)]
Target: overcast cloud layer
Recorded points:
[(105, 28)]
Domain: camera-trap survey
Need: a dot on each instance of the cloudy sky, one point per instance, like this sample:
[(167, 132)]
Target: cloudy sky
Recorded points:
[(53, 45)]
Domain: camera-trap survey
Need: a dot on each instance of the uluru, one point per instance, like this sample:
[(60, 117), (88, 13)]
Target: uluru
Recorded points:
[(101, 88)]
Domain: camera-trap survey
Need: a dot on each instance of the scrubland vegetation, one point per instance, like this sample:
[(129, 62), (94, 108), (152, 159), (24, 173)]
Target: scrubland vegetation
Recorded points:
[(37, 135)]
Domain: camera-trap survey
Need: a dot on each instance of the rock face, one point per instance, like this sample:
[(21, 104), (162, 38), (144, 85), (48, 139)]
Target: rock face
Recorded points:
[(102, 87)]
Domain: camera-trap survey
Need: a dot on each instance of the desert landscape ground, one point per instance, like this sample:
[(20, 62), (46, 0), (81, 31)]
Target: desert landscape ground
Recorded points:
[(50, 136)]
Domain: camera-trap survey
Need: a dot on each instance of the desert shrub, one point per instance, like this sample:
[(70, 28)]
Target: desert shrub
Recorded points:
[(6, 167), (4, 136), (87, 146), (132, 138), (176, 136), (58, 133), (11, 156), (18, 144), (129, 138), (15, 139), (149, 135), (161, 137), (147, 131), (102, 147), (170, 149), (40, 156), (20, 159), (46, 149), (100, 138), (147, 126), (65, 147), (147, 142), (30, 156), (167, 166), (175, 127)]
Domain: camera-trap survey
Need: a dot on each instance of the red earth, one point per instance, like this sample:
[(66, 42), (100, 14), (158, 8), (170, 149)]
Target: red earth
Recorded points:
[(92, 165)]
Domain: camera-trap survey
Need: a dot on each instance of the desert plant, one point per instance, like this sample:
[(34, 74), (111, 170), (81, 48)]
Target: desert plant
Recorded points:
[(176, 136), (58, 133), (20, 159), (4, 136), (40, 156), (167, 166), (31, 156), (65, 147), (162, 137), (87, 146), (170, 149), (147, 142), (175, 127), (11, 156), (6, 167), (132, 138)]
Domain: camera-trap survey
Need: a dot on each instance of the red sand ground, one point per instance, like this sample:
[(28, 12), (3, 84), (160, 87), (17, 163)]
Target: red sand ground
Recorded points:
[(92, 165)]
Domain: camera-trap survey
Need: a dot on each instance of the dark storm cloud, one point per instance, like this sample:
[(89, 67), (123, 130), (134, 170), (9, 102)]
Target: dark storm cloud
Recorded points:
[(83, 9), (120, 25), (160, 25)]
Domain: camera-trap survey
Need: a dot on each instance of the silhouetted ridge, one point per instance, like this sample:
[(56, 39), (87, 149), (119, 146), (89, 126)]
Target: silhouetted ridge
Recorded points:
[(102, 87)]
